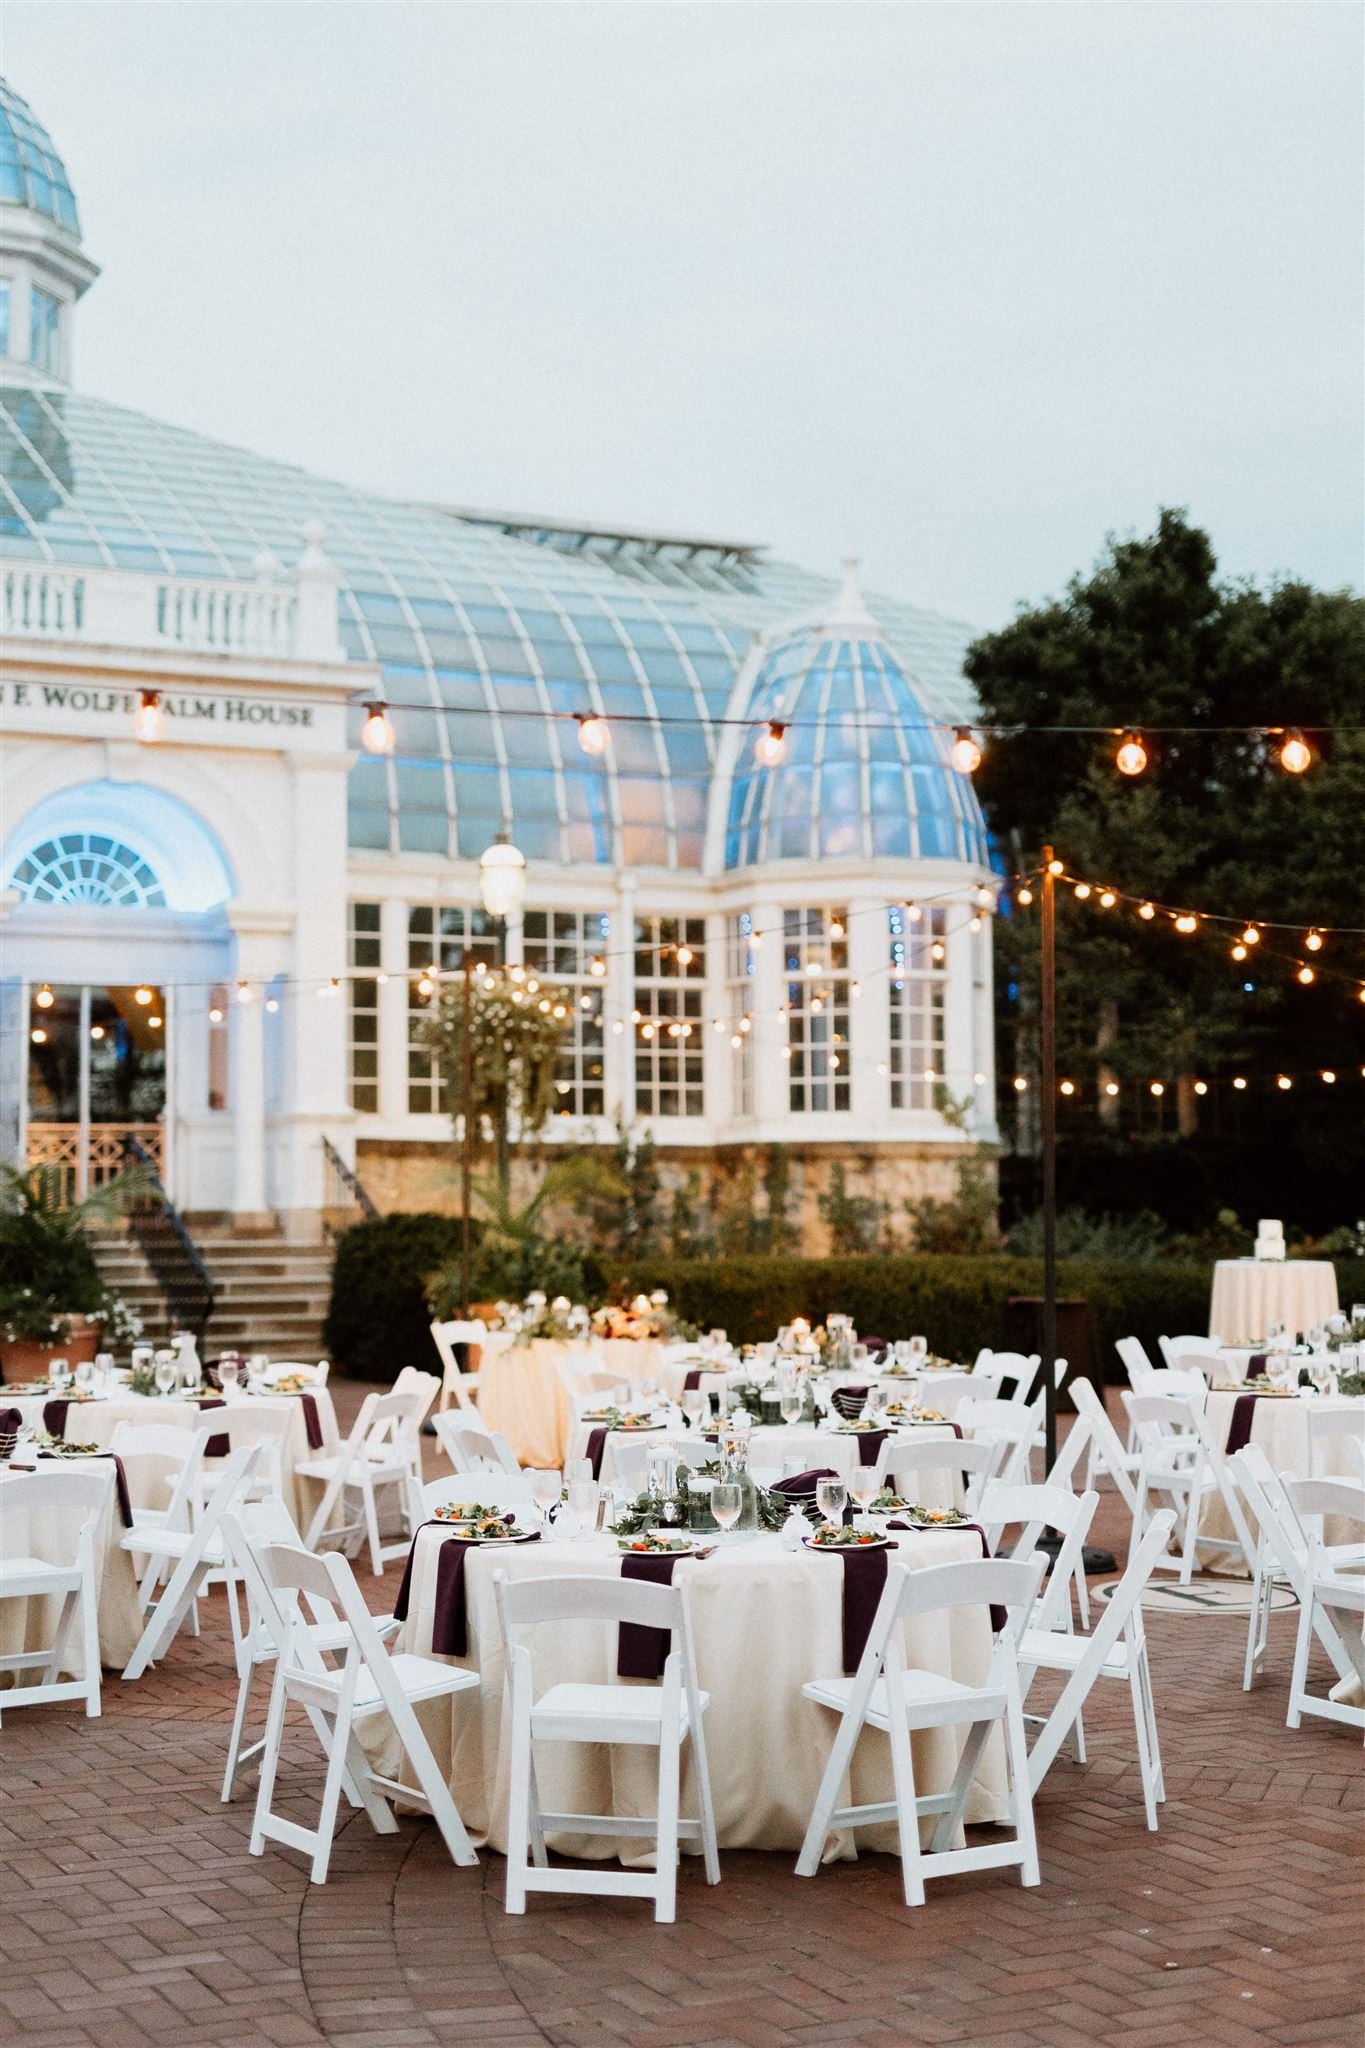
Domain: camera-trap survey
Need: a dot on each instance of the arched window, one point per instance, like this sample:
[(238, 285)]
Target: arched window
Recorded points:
[(88, 867)]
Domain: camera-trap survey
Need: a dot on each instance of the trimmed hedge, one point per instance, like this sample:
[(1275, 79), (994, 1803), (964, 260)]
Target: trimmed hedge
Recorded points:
[(377, 1319)]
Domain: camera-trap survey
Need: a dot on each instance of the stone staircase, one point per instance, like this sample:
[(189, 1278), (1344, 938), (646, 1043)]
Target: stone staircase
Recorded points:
[(271, 1295)]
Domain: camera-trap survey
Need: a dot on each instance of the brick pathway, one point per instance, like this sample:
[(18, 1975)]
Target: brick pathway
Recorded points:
[(132, 1913)]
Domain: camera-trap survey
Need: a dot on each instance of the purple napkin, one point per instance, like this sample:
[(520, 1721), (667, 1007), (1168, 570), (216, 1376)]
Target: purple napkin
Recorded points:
[(1256, 1365), (642, 1652), (870, 1444), (597, 1443), (999, 1615), (450, 1616), (1243, 1416), (692, 1379), (11, 1422), (850, 1402), (217, 1446), (877, 1344), (802, 1485), (864, 1584), (54, 1417), (312, 1422)]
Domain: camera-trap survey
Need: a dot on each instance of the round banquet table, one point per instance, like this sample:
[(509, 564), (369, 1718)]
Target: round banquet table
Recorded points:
[(51, 1534), (789, 1448), (765, 1621), (1280, 1427), (524, 1394), (1250, 1294), (94, 1422)]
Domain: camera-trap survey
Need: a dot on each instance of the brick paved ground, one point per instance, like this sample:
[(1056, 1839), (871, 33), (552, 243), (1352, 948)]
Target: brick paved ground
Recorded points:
[(132, 1913)]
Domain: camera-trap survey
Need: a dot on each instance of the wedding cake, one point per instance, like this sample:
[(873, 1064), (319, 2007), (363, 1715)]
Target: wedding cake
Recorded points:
[(1269, 1239)]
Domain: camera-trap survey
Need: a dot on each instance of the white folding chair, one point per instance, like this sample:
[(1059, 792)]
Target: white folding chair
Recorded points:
[(1095, 1434), (1034, 1509), (661, 1717), (75, 1586), (946, 1391), (1101, 1654), (1335, 1586), (195, 1553), (1282, 1552), (1006, 1423), (1019, 1368), (374, 1455), (899, 1464), (1177, 1458), (884, 1694), (1133, 1356), (262, 1422), (259, 1634), (458, 1383), (490, 1489), (1178, 1351), (370, 1680), (471, 1448), (170, 1446), (1328, 1425)]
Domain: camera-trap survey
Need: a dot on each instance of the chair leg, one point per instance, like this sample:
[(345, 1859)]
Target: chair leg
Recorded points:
[(827, 1798), (1298, 1677), (238, 1725), (907, 1803), (1078, 1730), (372, 1527), (270, 1762), (1021, 1799), (1082, 1598), (1144, 1760), (666, 1859), (1257, 1635), (702, 1772), (1153, 1734), (90, 1645), (518, 1809), (1189, 1545)]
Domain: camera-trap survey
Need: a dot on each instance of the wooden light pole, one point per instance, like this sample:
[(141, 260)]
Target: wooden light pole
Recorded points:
[(466, 1125), (1048, 1082)]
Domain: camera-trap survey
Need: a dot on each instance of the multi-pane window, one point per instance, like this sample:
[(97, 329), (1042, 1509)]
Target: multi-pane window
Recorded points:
[(670, 974), (569, 948), (918, 987), (815, 969), (44, 330), (741, 967), (437, 939), (363, 1031)]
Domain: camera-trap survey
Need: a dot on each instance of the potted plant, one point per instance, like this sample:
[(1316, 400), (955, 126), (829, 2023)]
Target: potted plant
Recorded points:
[(53, 1302)]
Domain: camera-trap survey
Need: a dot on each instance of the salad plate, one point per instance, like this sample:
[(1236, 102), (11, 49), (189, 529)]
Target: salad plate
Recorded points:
[(648, 1543), (842, 1539), (935, 1518)]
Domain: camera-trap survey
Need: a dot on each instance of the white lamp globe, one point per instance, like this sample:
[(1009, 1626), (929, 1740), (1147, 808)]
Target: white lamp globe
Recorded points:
[(502, 878)]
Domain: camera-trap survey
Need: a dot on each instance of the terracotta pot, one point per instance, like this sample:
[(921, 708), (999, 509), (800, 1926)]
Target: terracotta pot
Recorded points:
[(26, 1358)]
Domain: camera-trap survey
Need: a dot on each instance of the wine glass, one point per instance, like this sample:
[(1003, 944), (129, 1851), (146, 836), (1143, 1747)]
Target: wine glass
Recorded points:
[(58, 1373), (864, 1486), (694, 1406), (791, 1402), (545, 1491), (166, 1372), (582, 1506), (1277, 1369), (229, 1371), (902, 1351), (1320, 1372), (104, 1372), (727, 1500), (84, 1375), (917, 1350), (577, 1469), (830, 1496)]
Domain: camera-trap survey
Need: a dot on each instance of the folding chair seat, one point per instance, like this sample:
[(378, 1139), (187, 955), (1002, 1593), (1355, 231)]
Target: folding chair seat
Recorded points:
[(259, 1635), (1116, 1649), (885, 1695), (1334, 1584), (1177, 1458), (472, 1448), (458, 1382), (194, 1553), (74, 1585), (374, 1455), (370, 1680), (662, 1717)]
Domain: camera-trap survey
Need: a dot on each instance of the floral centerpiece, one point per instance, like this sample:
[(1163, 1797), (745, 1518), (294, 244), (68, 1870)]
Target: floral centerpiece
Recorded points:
[(645, 1316)]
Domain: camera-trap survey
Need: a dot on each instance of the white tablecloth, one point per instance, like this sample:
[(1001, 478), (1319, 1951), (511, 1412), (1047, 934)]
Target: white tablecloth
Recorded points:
[(766, 1620), (94, 1422), (1250, 1294), (789, 1448), (51, 1534), (524, 1395), (1280, 1427)]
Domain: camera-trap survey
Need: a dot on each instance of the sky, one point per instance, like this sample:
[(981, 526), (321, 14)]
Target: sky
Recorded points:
[(976, 283)]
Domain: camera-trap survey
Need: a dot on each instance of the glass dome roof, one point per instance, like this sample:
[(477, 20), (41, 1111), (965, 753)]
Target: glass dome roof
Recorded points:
[(31, 172), (486, 627), (863, 774)]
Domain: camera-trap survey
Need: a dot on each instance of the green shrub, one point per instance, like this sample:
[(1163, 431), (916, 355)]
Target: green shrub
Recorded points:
[(377, 1319), (957, 1303)]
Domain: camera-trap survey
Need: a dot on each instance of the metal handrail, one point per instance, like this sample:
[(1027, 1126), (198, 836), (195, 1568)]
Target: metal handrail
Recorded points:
[(338, 1172), (177, 1264)]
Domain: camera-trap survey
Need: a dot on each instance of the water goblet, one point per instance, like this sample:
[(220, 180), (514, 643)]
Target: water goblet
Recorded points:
[(791, 1403), (864, 1486), (830, 1497), (545, 1492), (902, 1351), (229, 1372), (918, 1350), (166, 1373), (727, 1501), (582, 1506), (1320, 1372), (104, 1372), (58, 1373), (694, 1406), (84, 1375), (577, 1470)]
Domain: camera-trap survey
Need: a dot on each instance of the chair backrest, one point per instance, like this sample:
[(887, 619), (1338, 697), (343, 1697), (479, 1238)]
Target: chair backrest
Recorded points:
[(1007, 1420), (1313, 1500), (1176, 1349), (445, 1336), (489, 1489), (935, 1454), (1092, 1427), (1154, 1416), (326, 1582), (1036, 1508), (1326, 1424), (1133, 1357), (587, 1389), (1263, 1489), (1008, 1582), (58, 1487), (151, 1440), (1020, 1368), (523, 1603), (471, 1449), (314, 1371)]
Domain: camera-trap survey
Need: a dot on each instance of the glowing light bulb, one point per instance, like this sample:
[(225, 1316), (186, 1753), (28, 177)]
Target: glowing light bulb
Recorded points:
[(1187, 922), (149, 720), (1147, 911), (735, 1040), (1201, 1087), (544, 1006), (38, 1035), (1307, 976), (1025, 897), (1314, 942), (1108, 898), (1238, 1081), (1111, 1087), (770, 748), (1082, 891), (1328, 1076), (1283, 1081), (97, 1032), (153, 1023), (425, 985), (1068, 1087), (746, 1024), (377, 734), (244, 991), (1020, 1084), (597, 966), (965, 754), (142, 995), (1056, 867), (646, 1031), (1131, 757), (1158, 1087), (936, 951), (594, 734), (215, 1014), (45, 998), (272, 1004), (1239, 951), (1251, 937), (1295, 754), (855, 990), (684, 956)]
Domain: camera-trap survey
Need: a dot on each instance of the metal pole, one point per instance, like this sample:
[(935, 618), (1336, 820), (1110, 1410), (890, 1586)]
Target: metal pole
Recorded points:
[(1048, 1084), (466, 1125)]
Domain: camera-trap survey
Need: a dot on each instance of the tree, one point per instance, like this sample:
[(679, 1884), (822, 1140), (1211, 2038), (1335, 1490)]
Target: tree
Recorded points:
[(1153, 638), (516, 1034)]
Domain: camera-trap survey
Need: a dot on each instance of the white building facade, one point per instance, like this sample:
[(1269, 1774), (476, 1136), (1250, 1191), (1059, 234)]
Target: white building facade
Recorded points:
[(222, 921)]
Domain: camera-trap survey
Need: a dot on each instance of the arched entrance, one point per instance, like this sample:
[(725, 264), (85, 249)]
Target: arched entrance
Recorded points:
[(112, 952)]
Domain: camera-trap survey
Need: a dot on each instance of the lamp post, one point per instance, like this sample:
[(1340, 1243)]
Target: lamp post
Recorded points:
[(502, 885)]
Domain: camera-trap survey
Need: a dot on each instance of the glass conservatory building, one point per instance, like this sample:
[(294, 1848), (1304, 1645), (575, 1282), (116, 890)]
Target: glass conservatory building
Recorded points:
[(223, 920)]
